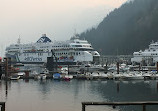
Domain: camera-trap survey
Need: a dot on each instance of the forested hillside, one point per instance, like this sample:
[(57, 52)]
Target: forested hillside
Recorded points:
[(126, 29)]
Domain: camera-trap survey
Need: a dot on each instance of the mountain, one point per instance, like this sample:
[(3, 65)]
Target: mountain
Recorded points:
[(127, 29)]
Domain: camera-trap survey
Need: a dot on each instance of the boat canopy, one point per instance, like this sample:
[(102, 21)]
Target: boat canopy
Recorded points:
[(56, 75)]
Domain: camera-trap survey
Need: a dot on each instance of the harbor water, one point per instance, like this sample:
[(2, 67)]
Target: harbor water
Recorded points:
[(52, 95)]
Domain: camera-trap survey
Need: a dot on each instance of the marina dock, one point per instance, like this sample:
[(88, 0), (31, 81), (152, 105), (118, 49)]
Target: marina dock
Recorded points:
[(88, 72)]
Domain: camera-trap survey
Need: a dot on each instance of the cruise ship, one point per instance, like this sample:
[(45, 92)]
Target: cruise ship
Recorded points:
[(148, 55), (74, 50)]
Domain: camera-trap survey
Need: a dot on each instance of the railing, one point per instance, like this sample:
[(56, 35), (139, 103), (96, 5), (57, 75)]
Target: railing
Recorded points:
[(114, 104), (2, 105)]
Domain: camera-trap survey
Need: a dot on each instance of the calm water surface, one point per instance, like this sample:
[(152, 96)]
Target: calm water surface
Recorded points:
[(51, 95)]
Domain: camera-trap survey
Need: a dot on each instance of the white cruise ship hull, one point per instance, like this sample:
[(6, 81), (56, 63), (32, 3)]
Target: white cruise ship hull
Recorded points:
[(40, 58), (73, 50)]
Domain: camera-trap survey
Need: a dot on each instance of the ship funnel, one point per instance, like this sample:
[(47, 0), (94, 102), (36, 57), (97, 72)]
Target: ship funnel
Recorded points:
[(44, 39), (43, 35)]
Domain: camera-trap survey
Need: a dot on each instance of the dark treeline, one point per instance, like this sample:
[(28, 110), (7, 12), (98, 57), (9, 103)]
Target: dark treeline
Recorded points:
[(127, 29)]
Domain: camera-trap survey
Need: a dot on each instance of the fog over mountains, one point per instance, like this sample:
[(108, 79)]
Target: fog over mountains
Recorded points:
[(127, 29)]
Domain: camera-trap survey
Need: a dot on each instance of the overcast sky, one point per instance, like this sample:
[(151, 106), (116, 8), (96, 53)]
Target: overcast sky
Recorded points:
[(29, 19)]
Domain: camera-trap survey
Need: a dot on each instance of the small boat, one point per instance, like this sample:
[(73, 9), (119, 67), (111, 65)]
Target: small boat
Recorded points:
[(134, 76), (34, 73), (21, 74), (57, 76), (67, 77), (41, 76), (64, 70), (110, 75), (146, 75), (15, 77)]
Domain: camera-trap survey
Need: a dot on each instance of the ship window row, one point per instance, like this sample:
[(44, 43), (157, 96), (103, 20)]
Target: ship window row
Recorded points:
[(57, 54), (61, 46), (70, 53), (39, 54), (85, 49), (76, 45), (86, 46), (13, 51), (27, 47), (151, 54), (44, 47), (14, 48), (154, 45), (154, 54), (137, 54), (82, 42), (81, 46)]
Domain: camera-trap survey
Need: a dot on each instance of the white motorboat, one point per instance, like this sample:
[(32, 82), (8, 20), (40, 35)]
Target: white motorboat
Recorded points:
[(41, 76), (146, 74), (67, 77), (15, 77), (134, 76)]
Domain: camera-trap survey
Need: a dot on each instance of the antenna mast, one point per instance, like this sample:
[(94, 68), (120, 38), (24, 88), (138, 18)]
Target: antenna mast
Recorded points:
[(19, 40)]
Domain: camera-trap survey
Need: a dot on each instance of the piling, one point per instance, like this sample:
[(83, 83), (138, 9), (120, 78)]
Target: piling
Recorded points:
[(68, 69), (114, 104), (2, 106), (83, 107), (6, 68), (106, 67), (117, 67), (118, 87), (139, 67), (157, 86), (157, 67), (26, 74), (6, 89), (144, 108), (0, 71)]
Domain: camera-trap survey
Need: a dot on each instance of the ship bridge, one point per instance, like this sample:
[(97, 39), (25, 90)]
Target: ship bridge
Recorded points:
[(153, 45)]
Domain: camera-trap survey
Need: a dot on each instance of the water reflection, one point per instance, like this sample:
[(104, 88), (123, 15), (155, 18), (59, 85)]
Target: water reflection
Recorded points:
[(6, 89), (118, 87), (54, 95), (157, 86)]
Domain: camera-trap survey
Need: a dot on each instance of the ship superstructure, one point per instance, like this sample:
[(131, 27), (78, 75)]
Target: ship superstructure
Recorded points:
[(149, 55), (73, 50)]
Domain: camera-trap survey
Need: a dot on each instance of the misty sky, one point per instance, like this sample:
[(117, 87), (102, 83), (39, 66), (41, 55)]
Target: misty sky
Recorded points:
[(59, 19)]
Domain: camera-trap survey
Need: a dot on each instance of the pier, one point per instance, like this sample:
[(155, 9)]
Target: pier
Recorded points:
[(8, 69), (87, 72), (114, 104), (2, 105)]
